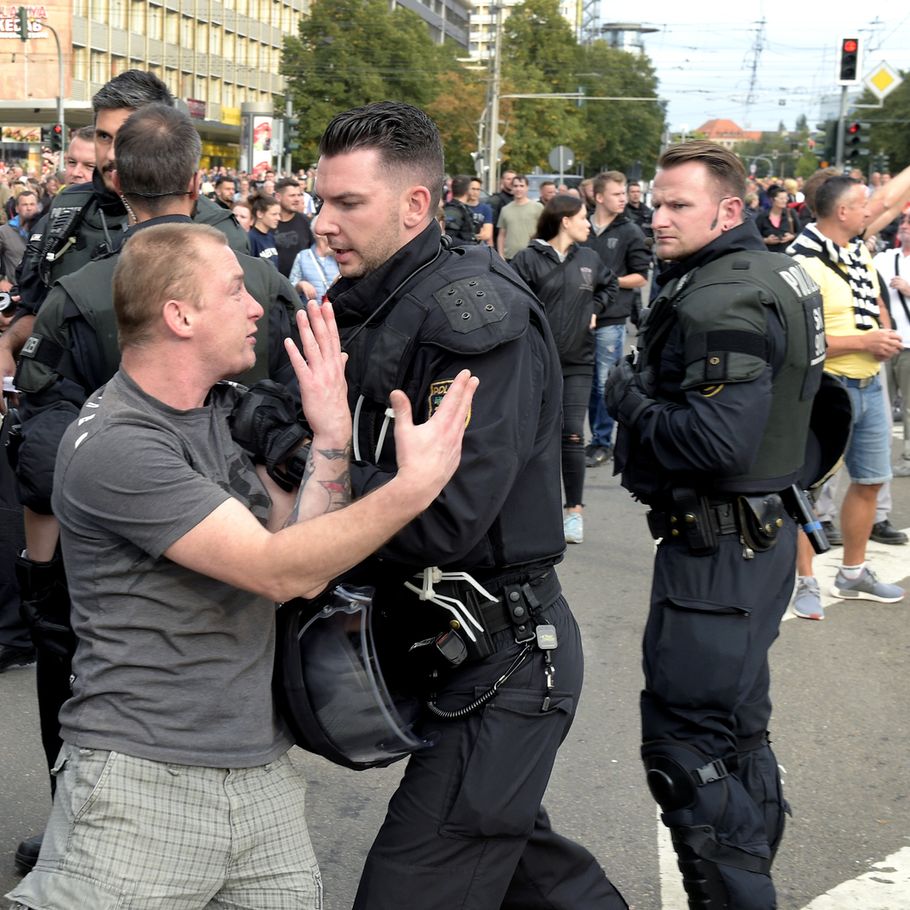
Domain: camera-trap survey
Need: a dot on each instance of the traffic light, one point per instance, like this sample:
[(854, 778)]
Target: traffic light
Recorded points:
[(291, 139), (56, 142), (47, 133), (22, 19), (849, 62), (853, 143)]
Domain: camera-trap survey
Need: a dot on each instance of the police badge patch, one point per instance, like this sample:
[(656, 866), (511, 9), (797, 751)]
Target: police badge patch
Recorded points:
[(438, 390)]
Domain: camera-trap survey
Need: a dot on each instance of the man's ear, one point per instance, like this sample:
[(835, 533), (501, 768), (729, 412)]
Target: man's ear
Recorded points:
[(193, 188), (179, 317), (731, 213), (415, 206)]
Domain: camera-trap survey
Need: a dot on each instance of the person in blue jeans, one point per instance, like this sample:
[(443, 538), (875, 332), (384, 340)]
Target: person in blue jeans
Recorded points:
[(620, 243)]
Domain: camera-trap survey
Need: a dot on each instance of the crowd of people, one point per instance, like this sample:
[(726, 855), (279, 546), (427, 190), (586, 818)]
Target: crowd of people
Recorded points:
[(410, 370)]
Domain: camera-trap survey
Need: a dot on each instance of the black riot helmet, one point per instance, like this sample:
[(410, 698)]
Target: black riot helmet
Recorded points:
[(329, 685)]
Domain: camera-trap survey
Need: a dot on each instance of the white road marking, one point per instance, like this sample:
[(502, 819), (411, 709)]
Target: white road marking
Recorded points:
[(885, 887), (672, 893)]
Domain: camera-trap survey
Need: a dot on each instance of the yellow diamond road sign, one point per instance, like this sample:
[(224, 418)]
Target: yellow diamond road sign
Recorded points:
[(882, 81)]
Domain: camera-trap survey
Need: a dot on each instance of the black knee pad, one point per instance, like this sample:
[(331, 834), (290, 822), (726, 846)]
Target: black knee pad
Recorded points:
[(674, 773)]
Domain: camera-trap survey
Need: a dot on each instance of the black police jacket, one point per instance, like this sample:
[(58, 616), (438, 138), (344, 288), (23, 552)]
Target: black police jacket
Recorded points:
[(85, 222), (621, 246), (733, 350), (413, 324)]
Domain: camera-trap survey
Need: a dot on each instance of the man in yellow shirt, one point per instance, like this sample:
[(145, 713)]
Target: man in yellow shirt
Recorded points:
[(859, 339)]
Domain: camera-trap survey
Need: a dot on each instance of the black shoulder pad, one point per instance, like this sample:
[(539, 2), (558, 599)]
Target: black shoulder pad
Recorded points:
[(476, 314), (471, 303)]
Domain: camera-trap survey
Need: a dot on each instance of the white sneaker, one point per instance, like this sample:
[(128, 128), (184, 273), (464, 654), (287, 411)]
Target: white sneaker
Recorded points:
[(573, 527)]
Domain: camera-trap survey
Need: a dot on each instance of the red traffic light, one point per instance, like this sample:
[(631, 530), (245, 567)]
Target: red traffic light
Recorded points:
[(853, 128), (850, 45)]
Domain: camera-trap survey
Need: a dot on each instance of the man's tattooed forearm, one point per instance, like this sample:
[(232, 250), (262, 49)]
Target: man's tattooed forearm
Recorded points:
[(338, 489)]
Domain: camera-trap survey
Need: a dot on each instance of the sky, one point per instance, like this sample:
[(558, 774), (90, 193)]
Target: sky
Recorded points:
[(704, 56)]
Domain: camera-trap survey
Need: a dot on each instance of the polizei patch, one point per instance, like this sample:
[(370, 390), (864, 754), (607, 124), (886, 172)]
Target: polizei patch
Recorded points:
[(438, 390)]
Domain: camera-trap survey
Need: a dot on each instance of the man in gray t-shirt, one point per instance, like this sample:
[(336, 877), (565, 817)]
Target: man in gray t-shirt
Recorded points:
[(173, 784), (517, 222)]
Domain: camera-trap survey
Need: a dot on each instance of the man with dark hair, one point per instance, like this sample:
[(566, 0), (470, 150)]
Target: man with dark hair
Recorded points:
[(621, 245), (639, 211), (74, 349), (293, 232), (458, 217), (713, 423), (172, 725), (225, 188), (87, 221), (482, 557), (859, 339), (481, 213), (547, 191), (501, 198)]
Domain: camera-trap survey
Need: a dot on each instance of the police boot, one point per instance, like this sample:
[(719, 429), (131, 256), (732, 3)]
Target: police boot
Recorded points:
[(717, 831)]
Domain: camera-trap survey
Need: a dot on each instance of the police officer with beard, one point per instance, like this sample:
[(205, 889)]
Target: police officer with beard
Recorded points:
[(714, 416), (466, 826)]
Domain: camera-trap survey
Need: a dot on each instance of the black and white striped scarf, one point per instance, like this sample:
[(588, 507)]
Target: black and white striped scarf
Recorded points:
[(811, 243)]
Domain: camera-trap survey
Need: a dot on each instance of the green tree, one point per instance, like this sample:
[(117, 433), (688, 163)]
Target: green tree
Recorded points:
[(456, 110), (539, 55), (619, 133), (890, 126), (353, 52)]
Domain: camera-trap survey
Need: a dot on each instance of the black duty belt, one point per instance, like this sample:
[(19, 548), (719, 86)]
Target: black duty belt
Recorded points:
[(670, 525), (531, 596)]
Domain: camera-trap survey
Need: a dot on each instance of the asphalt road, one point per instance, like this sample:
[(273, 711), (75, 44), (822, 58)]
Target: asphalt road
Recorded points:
[(841, 730)]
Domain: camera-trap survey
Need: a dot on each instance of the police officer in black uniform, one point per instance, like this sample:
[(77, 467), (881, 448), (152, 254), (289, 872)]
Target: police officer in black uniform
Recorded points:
[(466, 827), (714, 417), (74, 350), (86, 222)]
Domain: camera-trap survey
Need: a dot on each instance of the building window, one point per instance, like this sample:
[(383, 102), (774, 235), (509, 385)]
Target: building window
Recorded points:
[(80, 64), (118, 13), (101, 70), (155, 16)]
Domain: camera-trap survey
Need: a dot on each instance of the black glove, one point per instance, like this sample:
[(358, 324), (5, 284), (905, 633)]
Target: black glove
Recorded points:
[(45, 605), (626, 393), (268, 425)]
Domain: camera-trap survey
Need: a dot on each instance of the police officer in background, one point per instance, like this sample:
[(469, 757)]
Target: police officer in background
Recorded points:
[(86, 221), (465, 827), (714, 418)]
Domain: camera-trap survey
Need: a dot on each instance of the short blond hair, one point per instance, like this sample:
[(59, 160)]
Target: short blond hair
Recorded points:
[(160, 263)]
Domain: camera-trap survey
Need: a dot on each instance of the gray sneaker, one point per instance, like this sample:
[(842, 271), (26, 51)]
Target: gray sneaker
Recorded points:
[(902, 468), (866, 587), (807, 604)]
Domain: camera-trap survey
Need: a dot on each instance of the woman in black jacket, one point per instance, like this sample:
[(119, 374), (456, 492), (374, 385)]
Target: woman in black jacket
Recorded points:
[(779, 226), (573, 285)]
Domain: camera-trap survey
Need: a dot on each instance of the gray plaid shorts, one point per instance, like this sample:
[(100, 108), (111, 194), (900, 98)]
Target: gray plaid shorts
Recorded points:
[(126, 832)]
